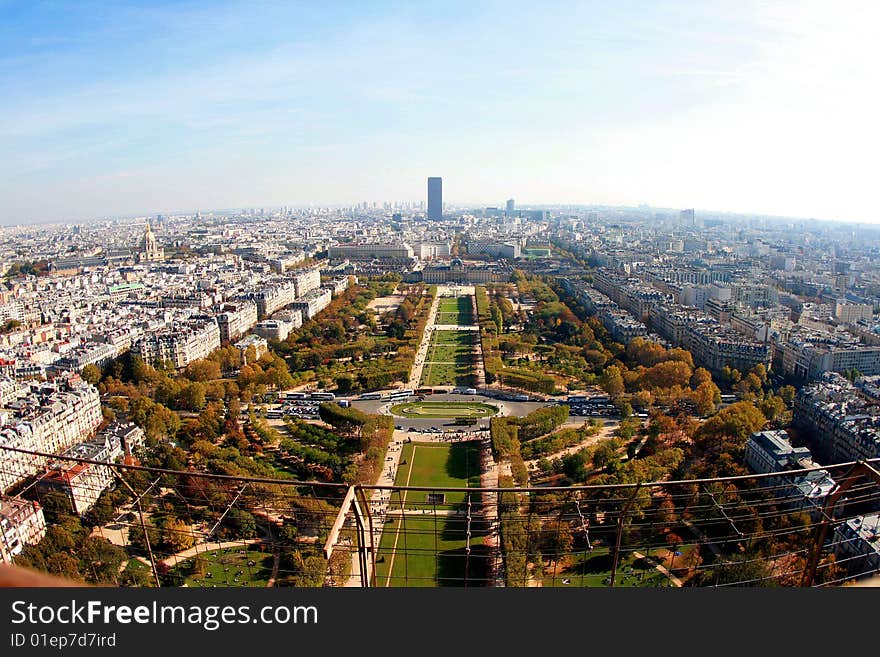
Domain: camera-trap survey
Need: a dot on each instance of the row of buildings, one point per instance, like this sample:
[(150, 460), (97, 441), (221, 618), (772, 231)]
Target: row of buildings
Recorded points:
[(713, 344), (801, 485), (840, 418)]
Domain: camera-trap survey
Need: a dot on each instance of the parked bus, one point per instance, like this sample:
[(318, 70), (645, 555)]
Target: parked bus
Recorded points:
[(371, 395), (400, 394), (290, 396), (465, 421), (323, 396), (425, 391)]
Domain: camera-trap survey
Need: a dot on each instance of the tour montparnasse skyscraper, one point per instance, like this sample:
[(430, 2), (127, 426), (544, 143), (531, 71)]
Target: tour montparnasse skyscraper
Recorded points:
[(435, 199)]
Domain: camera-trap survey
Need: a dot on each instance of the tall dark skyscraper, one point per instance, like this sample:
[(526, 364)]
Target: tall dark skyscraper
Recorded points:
[(435, 199), (511, 204)]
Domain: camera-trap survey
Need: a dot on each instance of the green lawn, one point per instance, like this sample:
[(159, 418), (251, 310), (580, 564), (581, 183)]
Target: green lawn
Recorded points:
[(228, 567), (455, 311), (447, 374), (431, 537), (593, 569), (450, 359), (443, 409)]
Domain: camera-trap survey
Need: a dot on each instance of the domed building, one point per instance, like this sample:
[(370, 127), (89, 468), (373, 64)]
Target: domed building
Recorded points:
[(150, 251)]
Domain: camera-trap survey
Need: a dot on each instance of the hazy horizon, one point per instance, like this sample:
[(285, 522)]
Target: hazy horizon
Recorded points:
[(759, 108)]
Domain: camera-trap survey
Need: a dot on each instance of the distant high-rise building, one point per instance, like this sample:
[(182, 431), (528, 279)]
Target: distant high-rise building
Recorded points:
[(686, 217), (510, 205), (435, 199)]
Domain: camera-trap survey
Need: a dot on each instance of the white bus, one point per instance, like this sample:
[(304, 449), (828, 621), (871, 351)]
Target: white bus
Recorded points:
[(371, 395), (323, 396), (400, 394)]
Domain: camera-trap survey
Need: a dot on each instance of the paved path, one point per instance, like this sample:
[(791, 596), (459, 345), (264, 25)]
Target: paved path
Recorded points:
[(422, 353), (659, 566), (201, 548), (606, 432)]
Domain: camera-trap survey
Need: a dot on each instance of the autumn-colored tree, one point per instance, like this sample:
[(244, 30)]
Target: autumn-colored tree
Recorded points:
[(177, 535), (701, 376), (705, 396), (612, 381), (91, 374), (666, 375)]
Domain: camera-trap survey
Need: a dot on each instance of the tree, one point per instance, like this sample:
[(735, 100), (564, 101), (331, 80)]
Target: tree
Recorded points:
[(667, 374), (177, 535), (787, 394), (202, 370), (10, 325), (344, 383), (346, 420), (738, 570), (606, 457), (192, 396), (574, 466), (136, 538), (239, 523), (612, 381), (705, 397), (738, 420), (91, 374), (701, 376), (760, 371), (772, 407)]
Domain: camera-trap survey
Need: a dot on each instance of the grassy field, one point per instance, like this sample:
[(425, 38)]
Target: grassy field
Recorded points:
[(228, 567), (450, 359), (426, 546), (593, 569), (443, 409), (455, 311)]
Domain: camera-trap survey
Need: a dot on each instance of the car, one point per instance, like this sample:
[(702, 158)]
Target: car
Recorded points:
[(399, 427)]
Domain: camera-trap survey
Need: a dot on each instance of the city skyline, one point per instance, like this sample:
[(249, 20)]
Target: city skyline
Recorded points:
[(766, 109)]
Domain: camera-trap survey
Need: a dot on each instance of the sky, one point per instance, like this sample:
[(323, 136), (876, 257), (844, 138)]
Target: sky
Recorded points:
[(119, 108)]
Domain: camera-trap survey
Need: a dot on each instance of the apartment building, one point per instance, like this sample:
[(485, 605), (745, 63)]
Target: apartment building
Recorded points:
[(841, 421), (712, 345), (83, 483), (180, 343), (809, 354), (21, 523), (847, 312), (771, 451), (399, 253), (306, 280), (274, 296), (857, 544), (49, 418), (313, 302), (236, 319)]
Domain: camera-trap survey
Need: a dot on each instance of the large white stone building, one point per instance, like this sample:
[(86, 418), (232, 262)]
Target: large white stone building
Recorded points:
[(236, 319), (306, 280), (180, 343), (50, 418), (21, 523)]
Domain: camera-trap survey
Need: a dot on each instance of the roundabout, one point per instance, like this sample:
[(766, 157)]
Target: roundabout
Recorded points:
[(443, 409)]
